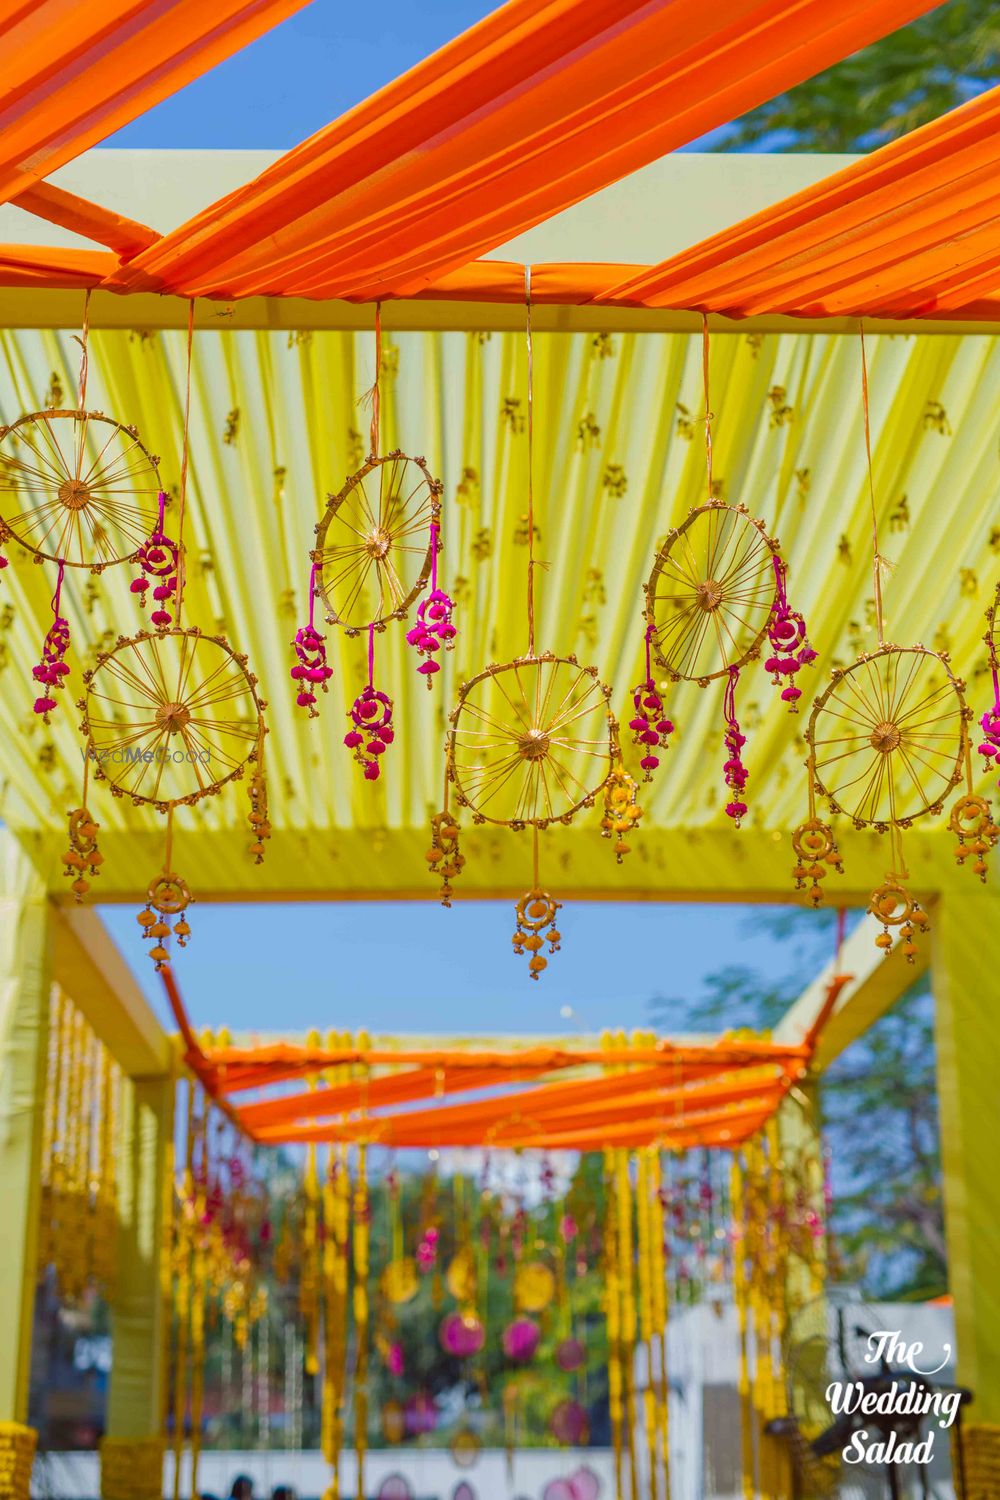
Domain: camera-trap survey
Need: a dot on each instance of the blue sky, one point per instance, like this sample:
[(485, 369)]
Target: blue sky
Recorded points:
[(416, 967), (401, 967), (303, 74)]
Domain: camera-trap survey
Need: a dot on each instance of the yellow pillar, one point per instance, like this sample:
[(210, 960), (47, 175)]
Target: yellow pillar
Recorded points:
[(25, 980), (965, 975), (132, 1451)]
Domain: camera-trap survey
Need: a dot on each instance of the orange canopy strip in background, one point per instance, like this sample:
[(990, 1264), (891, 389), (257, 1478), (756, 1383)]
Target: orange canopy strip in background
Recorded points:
[(539, 105), (911, 229), (519, 1129), (408, 1088), (74, 71), (423, 1083), (79, 215), (577, 1103), (665, 1053)]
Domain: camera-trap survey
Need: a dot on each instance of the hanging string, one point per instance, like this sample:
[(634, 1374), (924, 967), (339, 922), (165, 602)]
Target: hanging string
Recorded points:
[(877, 560), (531, 493), (84, 358), (374, 395), (371, 654), (709, 413), (182, 503)]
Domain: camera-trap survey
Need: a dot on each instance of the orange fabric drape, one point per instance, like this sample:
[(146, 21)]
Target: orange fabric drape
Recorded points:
[(39, 266), (910, 231), (536, 107), (74, 71), (122, 235)]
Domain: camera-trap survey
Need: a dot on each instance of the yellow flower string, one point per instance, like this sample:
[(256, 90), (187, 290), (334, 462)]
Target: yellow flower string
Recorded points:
[(646, 1317), (657, 1236), (198, 1293), (628, 1314), (741, 1298), (361, 1213), (182, 1290), (612, 1305)]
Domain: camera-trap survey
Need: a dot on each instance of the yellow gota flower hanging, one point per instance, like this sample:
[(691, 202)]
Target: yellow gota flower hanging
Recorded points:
[(532, 742), (888, 741), (80, 490), (377, 546), (170, 716)]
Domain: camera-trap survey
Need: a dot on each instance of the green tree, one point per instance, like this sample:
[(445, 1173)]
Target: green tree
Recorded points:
[(879, 1110), (908, 78)]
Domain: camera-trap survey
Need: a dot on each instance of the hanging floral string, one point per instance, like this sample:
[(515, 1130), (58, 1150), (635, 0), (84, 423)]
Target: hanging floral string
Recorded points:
[(735, 771), (311, 669), (52, 670), (786, 632), (650, 728), (434, 627), (371, 715)]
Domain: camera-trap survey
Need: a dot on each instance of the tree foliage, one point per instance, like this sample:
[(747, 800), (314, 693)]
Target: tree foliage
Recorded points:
[(879, 1110), (910, 77)]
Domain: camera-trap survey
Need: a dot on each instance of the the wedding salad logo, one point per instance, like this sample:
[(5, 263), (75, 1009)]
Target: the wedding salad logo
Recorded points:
[(893, 1402)]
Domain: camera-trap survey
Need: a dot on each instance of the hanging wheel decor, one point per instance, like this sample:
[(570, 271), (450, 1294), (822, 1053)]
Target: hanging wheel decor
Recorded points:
[(170, 716), (716, 593), (532, 742), (887, 741), (371, 563), (80, 490)]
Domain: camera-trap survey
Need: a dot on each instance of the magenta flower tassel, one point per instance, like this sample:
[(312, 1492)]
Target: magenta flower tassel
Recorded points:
[(371, 715), (159, 557), (52, 669), (434, 627), (310, 670), (989, 748), (786, 632), (649, 727), (735, 771)]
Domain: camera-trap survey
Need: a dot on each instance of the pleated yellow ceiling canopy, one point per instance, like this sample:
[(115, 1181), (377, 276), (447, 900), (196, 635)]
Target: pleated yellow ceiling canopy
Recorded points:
[(619, 450)]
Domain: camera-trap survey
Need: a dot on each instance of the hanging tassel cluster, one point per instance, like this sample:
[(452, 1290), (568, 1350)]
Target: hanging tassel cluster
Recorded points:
[(621, 810), (371, 715), (786, 632), (83, 856), (311, 669), (166, 898), (52, 670), (159, 558), (536, 924), (434, 627), (650, 729), (735, 771)]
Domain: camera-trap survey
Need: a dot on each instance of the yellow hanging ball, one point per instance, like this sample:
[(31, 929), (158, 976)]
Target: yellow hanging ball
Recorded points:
[(534, 1286), (400, 1281)]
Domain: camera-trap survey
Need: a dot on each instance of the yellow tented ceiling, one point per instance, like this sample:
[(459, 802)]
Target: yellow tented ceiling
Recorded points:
[(276, 425)]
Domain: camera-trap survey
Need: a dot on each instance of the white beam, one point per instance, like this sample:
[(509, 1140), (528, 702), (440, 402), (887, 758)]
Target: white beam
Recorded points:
[(876, 983), (90, 969)]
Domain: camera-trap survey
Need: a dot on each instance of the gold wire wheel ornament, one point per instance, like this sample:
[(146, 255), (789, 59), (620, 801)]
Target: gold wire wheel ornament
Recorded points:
[(888, 741), (711, 594), (716, 593), (374, 543), (76, 487), (171, 717), (888, 737), (532, 741)]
